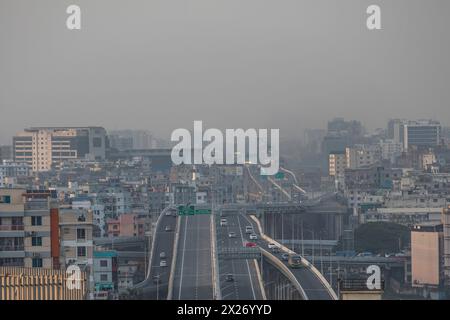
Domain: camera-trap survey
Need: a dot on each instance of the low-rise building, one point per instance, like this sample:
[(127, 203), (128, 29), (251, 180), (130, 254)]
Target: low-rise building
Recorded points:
[(105, 272)]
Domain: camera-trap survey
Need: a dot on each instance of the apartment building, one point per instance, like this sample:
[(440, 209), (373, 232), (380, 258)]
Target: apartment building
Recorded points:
[(44, 147), (127, 225), (10, 171), (390, 149), (76, 226), (446, 225), (336, 167), (28, 229), (362, 156), (427, 263), (105, 271)]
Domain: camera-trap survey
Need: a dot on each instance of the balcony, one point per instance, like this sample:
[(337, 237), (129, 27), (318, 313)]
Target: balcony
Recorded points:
[(36, 205), (11, 227), (12, 247)]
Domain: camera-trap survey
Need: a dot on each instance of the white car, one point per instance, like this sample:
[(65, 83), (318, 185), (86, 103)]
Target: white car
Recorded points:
[(163, 263), (223, 222), (253, 236), (232, 235), (272, 245)]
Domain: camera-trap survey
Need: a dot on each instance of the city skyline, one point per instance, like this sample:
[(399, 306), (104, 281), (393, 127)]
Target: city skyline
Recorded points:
[(156, 66)]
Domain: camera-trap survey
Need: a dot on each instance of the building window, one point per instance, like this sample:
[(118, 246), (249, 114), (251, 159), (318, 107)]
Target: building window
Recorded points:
[(103, 277), (97, 142), (37, 262), (81, 251), (5, 199), (36, 241), (81, 234), (103, 263), (36, 221)]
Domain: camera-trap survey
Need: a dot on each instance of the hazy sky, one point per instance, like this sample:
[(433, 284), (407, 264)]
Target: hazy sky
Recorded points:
[(160, 64)]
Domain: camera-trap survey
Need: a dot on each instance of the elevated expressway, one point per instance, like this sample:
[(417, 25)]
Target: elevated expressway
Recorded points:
[(200, 255), (156, 283)]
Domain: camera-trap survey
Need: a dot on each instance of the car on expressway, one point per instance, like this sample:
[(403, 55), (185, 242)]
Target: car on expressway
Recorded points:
[(229, 277), (248, 229), (168, 228), (271, 245), (232, 235), (223, 222), (163, 263), (162, 255), (285, 256), (295, 261), (250, 245), (253, 236)]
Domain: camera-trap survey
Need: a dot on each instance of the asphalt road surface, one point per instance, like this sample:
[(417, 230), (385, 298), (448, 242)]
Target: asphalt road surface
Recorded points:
[(313, 287), (193, 271), (164, 242), (245, 285)]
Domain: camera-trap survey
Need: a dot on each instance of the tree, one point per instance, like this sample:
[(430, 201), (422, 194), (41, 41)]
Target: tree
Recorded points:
[(382, 237)]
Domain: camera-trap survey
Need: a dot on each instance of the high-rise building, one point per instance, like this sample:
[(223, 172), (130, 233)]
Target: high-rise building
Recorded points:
[(395, 130), (421, 133), (44, 147), (336, 168)]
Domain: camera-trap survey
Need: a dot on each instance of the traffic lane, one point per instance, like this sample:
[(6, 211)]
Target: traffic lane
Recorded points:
[(181, 253), (251, 266), (243, 286), (312, 286), (163, 243), (204, 288), (229, 289), (193, 275), (237, 289), (310, 283)]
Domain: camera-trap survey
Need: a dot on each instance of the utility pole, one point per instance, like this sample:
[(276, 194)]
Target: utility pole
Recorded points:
[(303, 245), (320, 246)]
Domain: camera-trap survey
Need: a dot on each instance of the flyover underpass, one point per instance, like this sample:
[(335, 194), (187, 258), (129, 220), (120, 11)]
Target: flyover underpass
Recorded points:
[(314, 285)]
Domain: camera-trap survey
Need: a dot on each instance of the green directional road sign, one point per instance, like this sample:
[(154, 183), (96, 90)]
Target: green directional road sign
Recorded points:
[(191, 210), (279, 176)]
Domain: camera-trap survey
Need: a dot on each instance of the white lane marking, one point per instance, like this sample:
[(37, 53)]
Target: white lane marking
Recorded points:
[(248, 267), (182, 258), (196, 263)]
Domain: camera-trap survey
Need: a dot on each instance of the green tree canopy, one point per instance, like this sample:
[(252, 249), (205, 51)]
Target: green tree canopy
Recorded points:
[(382, 237)]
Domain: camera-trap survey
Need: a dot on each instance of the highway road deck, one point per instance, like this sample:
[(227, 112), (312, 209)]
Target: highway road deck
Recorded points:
[(193, 272), (245, 285)]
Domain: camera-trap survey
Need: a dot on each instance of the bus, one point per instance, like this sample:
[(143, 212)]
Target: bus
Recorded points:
[(295, 261)]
